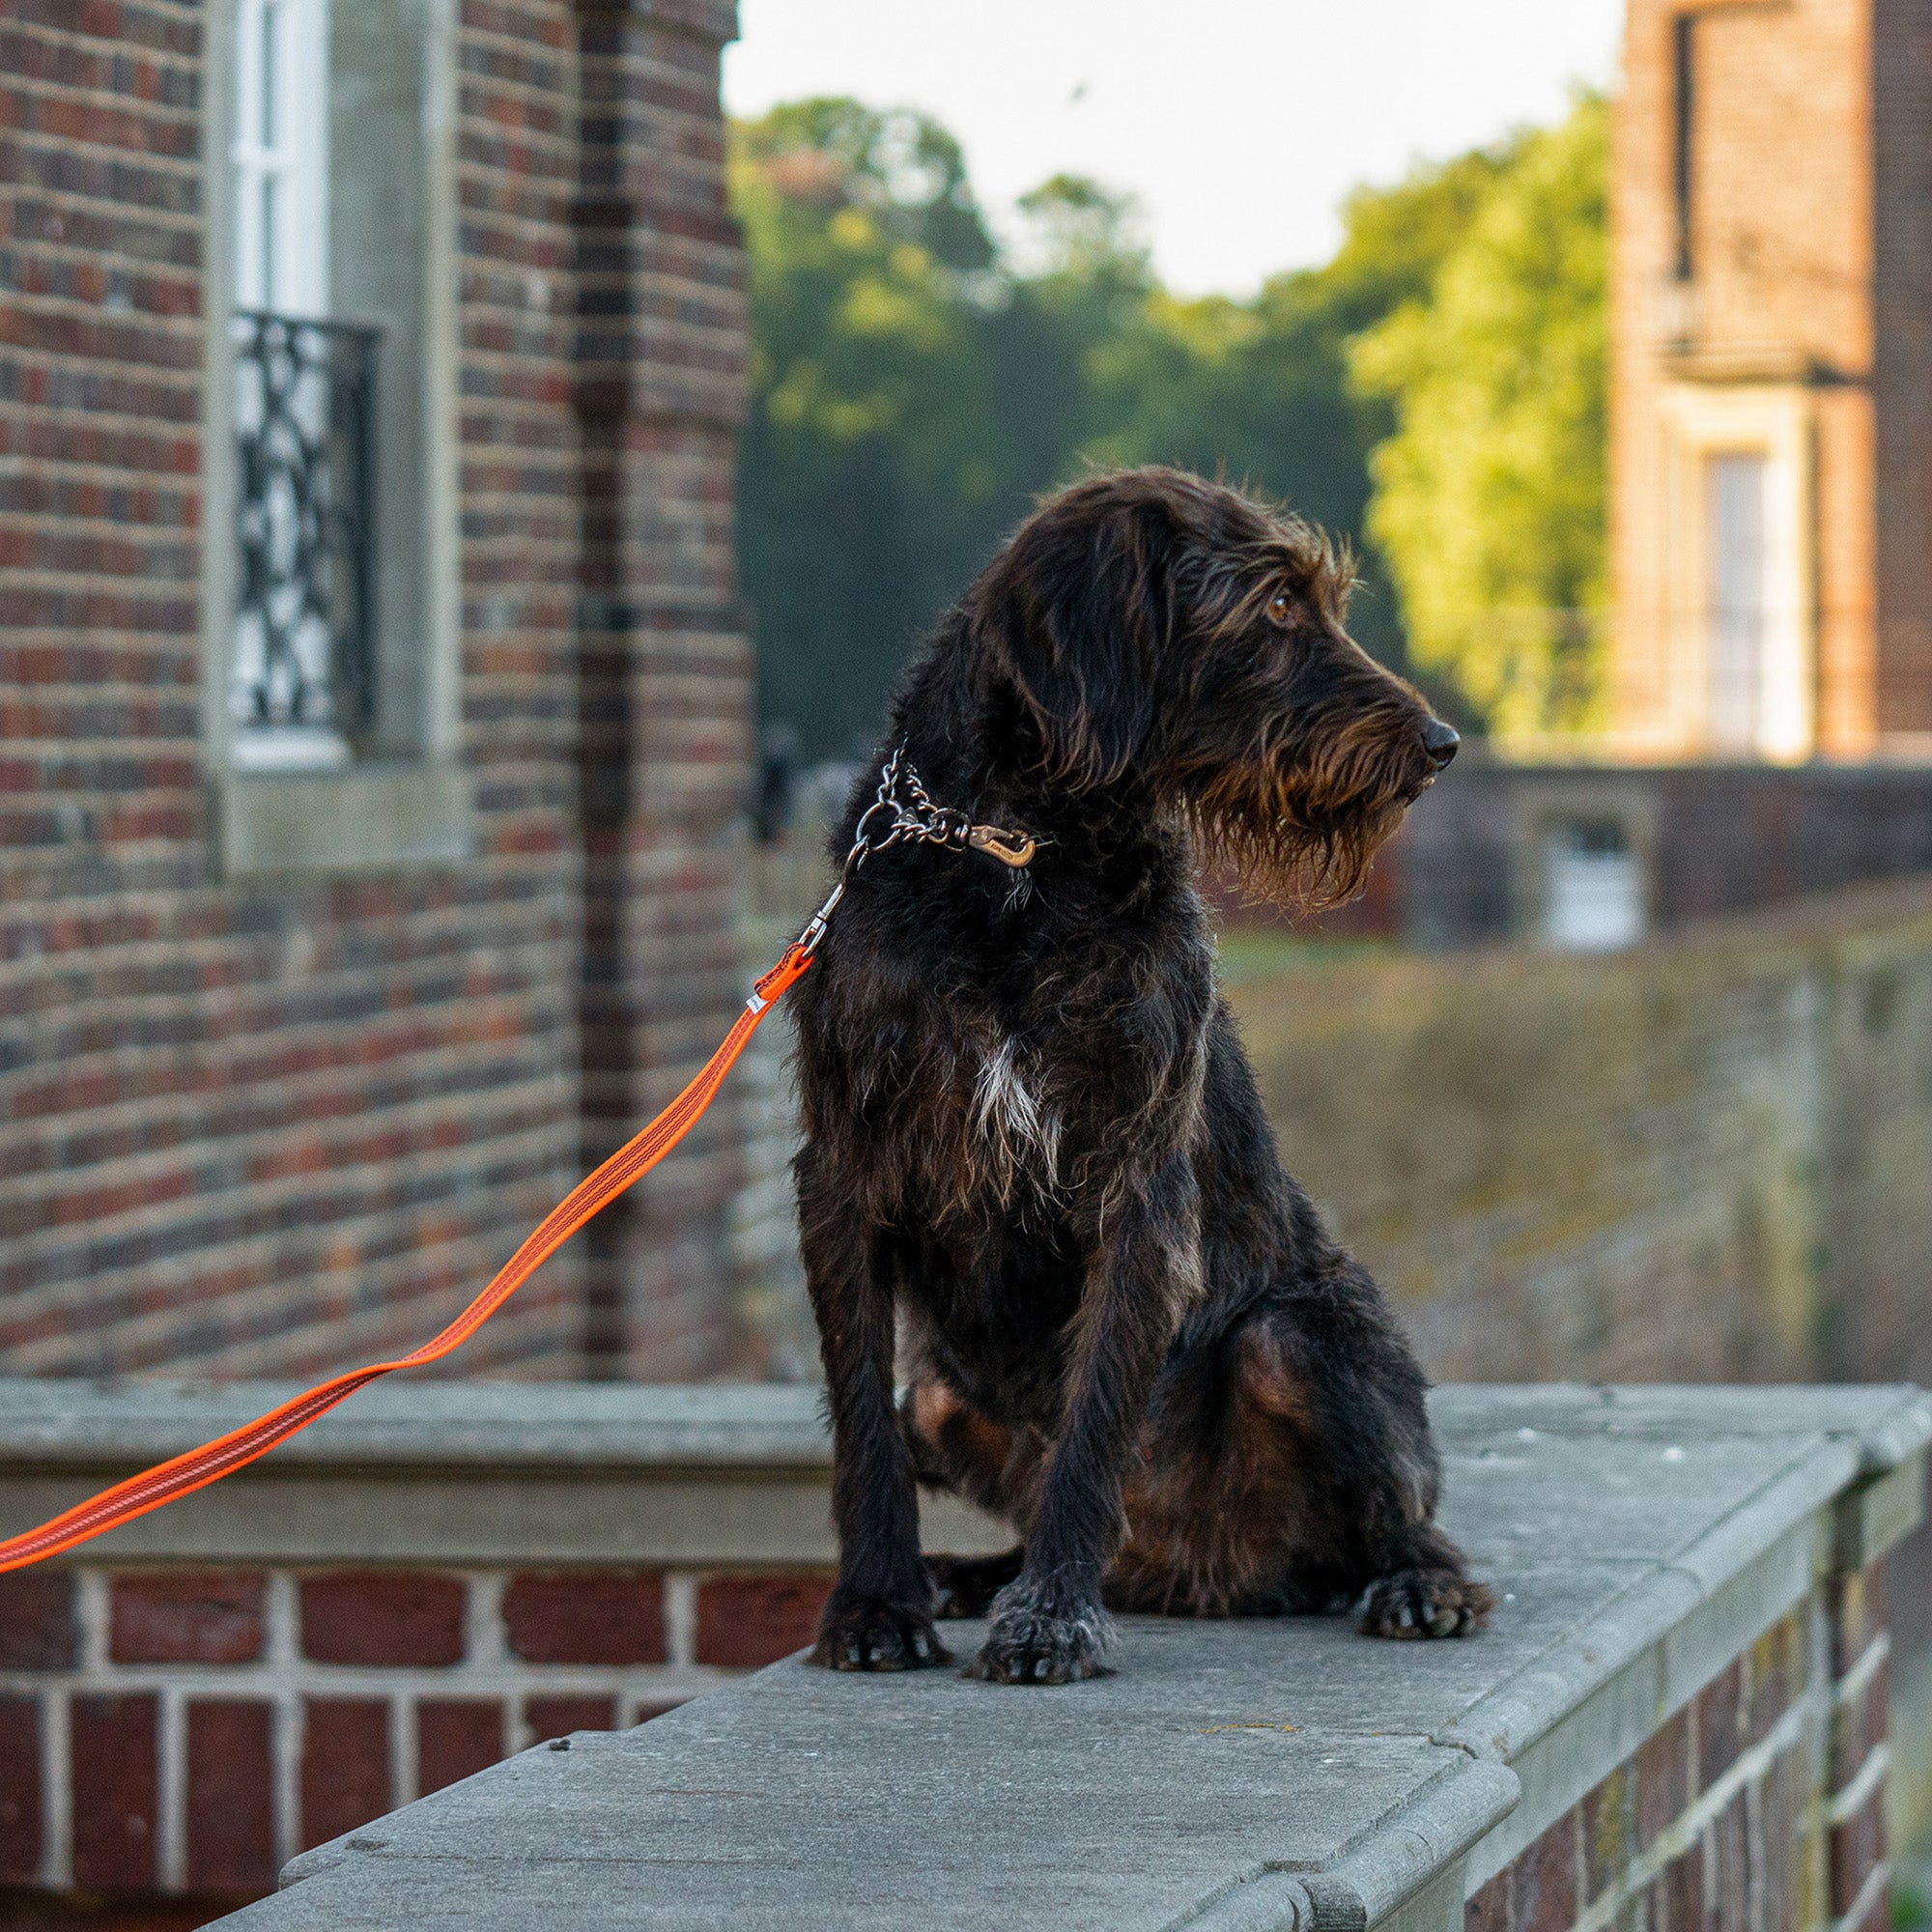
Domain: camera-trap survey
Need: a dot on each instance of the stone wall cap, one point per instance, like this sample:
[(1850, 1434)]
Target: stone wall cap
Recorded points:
[(117, 1422), (1244, 1776)]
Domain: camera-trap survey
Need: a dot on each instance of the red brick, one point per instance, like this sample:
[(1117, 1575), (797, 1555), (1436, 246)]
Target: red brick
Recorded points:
[(757, 1620), (1721, 1724), (1662, 1779), (231, 1781), (1544, 1896), (1490, 1910), (1609, 1831), (376, 1617), (345, 1764), (1681, 1892), (1855, 1848), (36, 1630), (114, 1792), (585, 1618), (19, 1790), (187, 1617), (558, 1716), (454, 1738), (1859, 1724)]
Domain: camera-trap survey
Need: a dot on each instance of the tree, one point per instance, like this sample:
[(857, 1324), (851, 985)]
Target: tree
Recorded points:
[(914, 388), (1490, 494)]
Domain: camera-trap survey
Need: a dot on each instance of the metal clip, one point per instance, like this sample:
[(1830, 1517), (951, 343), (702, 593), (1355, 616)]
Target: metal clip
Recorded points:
[(1009, 848)]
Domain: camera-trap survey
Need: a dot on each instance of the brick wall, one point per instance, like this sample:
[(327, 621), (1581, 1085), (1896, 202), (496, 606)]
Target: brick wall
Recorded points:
[(1724, 1820), (1809, 290), (1697, 1160), (1901, 39), (1467, 866), (253, 1127), (189, 1730)]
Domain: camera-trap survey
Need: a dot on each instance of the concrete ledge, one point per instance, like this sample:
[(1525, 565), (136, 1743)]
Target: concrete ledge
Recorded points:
[(1232, 1776), (367, 817)]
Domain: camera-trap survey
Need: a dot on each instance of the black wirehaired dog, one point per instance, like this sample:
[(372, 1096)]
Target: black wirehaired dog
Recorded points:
[(1032, 1134)]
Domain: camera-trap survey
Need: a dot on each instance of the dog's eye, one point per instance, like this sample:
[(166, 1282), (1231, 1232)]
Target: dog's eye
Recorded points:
[(1279, 608)]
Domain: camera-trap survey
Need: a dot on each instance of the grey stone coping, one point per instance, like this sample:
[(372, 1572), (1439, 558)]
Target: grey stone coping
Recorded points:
[(1232, 1777)]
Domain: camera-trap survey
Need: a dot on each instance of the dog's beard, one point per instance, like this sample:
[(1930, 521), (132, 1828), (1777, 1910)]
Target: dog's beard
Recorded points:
[(1304, 834)]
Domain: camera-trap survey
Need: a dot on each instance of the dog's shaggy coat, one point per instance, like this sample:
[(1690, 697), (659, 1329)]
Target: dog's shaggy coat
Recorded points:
[(1034, 1149)]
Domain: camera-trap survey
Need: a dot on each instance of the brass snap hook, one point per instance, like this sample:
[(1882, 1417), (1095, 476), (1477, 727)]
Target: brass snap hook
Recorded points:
[(1009, 848)]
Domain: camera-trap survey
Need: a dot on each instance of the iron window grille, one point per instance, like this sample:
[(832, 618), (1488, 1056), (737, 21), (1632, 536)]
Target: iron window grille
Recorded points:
[(304, 619)]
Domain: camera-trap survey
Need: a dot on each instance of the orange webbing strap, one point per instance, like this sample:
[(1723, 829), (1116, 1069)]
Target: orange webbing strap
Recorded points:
[(213, 1460)]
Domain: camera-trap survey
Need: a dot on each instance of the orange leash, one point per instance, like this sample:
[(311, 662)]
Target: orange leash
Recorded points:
[(198, 1467)]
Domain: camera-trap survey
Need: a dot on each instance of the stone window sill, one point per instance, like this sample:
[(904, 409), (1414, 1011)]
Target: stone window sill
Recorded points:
[(375, 817)]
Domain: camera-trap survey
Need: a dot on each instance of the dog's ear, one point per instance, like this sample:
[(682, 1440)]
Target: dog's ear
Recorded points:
[(1076, 613)]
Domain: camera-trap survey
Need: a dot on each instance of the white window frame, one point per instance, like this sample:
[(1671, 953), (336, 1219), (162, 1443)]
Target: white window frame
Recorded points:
[(1699, 421), (411, 803)]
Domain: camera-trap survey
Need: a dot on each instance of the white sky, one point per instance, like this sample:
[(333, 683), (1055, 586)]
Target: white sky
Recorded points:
[(1239, 124)]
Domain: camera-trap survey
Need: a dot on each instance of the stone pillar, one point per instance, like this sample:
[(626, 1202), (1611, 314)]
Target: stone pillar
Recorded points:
[(664, 687)]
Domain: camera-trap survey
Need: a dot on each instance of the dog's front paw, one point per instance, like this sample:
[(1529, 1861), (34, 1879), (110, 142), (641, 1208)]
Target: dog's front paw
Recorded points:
[(1040, 1639), (1426, 1602), (869, 1635)]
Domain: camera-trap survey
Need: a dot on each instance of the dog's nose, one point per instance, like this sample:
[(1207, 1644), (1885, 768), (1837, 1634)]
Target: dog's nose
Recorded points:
[(1440, 741)]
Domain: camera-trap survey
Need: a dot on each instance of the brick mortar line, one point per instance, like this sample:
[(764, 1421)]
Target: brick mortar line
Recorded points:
[(412, 1276), (170, 1789), (76, 201), (305, 1678), (1682, 1830), (357, 1202), (33, 522), (416, 1111), (1849, 1799), (133, 1008), (1877, 1880), (182, 1104), (161, 113), (478, 1245), (200, 1136), (1855, 1680)]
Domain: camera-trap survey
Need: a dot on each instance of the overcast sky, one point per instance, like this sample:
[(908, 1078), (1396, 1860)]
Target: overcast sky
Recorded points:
[(1239, 124)]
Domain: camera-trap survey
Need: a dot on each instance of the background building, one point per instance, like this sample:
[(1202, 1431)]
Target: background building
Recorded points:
[(1771, 502), (374, 697)]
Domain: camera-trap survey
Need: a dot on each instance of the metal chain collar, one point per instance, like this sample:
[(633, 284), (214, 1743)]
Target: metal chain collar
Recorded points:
[(902, 813)]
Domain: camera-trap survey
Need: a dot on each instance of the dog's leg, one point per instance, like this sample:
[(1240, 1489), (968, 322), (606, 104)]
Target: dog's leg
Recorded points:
[(1048, 1624), (879, 1615), (1332, 1367)]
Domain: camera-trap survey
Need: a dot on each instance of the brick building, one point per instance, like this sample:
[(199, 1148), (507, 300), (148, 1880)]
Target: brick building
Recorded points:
[(1771, 380), (375, 696)]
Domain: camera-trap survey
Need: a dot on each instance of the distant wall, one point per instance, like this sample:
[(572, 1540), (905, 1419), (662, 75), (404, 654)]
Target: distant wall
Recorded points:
[(1703, 1159), (1468, 867)]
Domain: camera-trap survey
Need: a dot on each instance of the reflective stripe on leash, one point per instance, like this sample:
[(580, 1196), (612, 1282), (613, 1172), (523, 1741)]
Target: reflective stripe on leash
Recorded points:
[(183, 1474)]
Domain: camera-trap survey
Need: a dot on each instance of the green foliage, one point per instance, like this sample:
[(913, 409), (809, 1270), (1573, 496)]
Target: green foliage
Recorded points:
[(1490, 494), (914, 389)]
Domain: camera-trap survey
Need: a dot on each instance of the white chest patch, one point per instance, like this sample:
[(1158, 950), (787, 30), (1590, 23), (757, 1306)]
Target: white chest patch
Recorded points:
[(1016, 1127)]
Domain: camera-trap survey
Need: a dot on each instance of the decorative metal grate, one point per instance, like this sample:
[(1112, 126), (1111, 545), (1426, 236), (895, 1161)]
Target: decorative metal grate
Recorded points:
[(304, 615)]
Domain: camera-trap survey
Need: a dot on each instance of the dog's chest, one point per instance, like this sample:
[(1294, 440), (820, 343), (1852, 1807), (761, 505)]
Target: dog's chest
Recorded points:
[(1013, 1122)]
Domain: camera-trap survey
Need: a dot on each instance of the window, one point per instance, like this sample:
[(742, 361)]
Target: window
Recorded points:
[(331, 626), (280, 155), (1682, 130), (1735, 518), (303, 420), (1593, 898)]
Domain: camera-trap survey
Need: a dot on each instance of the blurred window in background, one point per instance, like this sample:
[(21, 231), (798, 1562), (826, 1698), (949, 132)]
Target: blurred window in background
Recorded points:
[(1593, 897), (335, 348), (1735, 494)]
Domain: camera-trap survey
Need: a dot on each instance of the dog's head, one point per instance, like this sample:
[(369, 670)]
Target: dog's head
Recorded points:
[(1173, 635)]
